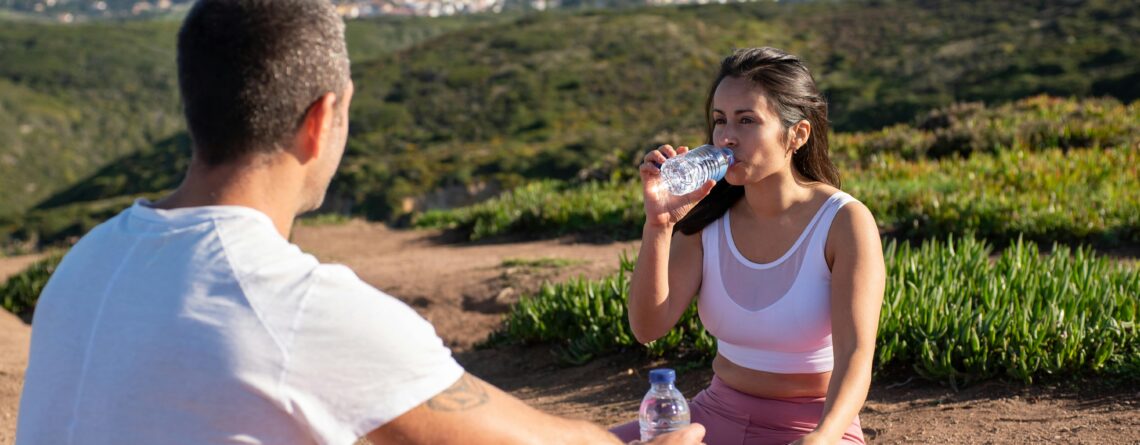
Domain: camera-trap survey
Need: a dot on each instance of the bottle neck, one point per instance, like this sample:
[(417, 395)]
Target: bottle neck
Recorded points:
[(662, 386)]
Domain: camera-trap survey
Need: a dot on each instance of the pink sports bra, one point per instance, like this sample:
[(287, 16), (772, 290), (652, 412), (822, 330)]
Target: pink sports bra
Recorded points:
[(773, 317)]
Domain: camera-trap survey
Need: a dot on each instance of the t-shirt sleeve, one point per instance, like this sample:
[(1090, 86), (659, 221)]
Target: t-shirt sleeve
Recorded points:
[(360, 358)]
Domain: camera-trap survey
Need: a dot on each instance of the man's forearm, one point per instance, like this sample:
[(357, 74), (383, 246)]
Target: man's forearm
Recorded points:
[(473, 412)]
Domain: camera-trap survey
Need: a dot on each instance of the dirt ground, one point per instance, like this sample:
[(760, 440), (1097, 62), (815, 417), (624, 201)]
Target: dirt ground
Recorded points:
[(463, 289)]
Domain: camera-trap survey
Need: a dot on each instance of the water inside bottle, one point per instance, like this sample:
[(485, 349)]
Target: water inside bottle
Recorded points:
[(663, 414), (681, 176), (686, 173)]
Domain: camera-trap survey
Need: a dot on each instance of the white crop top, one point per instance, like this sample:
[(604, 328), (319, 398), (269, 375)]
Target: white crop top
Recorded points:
[(773, 317)]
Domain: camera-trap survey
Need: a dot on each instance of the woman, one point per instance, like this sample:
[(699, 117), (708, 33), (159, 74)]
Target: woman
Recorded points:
[(789, 269)]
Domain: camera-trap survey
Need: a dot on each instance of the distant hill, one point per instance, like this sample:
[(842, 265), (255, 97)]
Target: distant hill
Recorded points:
[(75, 98), (94, 9), (70, 105), (481, 103), (582, 95)]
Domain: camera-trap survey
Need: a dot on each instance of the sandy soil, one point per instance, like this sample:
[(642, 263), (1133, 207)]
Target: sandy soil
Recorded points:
[(463, 289), (14, 264), (14, 338)]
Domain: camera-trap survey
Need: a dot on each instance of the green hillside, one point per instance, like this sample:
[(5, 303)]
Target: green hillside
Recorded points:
[(484, 103), (70, 106), (582, 95), (77, 98), (1040, 169)]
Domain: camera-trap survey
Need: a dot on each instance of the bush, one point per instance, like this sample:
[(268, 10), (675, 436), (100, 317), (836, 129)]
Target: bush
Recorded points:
[(1082, 196), (21, 292), (549, 208), (950, 314), (585, 318), (1036, 123)]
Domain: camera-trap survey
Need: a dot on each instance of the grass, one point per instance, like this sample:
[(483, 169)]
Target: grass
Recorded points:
[(20, 292), (951, 313), (1089, 196), (547, 208), (323, 219), (541, 263), (1076, 197), (1034, 123), (1043, 168)]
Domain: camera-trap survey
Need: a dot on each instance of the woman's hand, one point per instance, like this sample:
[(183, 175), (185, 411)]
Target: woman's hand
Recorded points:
[(662, 208)]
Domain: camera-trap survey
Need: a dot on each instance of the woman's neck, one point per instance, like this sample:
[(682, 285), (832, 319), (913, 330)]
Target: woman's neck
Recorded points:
[(772, 197)]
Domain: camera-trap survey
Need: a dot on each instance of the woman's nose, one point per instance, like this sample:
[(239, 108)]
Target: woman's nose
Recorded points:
[(726, 140)]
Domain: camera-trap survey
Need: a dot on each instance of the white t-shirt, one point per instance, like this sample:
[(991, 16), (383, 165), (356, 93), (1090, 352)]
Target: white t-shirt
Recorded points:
[(205, 326)]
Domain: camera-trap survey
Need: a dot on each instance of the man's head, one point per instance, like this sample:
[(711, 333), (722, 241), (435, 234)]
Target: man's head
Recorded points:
[(255, 73)]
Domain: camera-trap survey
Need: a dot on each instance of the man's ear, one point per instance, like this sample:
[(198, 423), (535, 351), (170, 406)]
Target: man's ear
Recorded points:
[(318, 122)]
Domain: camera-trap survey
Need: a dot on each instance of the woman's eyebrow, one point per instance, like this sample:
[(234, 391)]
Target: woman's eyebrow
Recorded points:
[(737, 112)]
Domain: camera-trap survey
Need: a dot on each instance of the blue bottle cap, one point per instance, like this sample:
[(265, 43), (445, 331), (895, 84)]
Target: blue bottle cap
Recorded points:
[(662, 375)]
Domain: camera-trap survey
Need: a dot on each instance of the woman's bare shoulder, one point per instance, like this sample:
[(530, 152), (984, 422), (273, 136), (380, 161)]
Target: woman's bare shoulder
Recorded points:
[(853, 229), (853, 225)]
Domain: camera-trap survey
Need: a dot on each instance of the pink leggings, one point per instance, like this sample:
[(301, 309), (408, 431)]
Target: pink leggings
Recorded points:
[(731, 417)]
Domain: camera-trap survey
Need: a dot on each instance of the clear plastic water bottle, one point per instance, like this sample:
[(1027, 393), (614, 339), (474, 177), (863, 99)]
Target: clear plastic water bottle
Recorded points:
[(685, 173), (664, 408)]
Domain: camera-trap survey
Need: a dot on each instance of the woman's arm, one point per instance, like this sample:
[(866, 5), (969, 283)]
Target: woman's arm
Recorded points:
[(668, 270), (665, 279), (858, 278)]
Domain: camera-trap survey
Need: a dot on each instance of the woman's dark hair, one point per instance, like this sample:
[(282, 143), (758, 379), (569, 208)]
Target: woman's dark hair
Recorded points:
[(789, 87)]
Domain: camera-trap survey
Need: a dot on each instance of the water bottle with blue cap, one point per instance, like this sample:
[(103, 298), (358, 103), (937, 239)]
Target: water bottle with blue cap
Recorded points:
[(663, 409)]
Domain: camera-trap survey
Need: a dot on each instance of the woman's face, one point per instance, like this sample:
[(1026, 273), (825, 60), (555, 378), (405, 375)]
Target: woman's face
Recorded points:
[(745, 121)]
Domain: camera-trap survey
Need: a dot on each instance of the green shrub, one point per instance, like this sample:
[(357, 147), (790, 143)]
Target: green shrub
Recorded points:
[(585, 318), (21, 292), (1036, 123), (950, 313), (1080, 196), (549, 208)]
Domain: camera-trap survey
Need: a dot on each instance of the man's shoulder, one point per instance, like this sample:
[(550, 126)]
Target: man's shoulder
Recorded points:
[(255, 250), (337, 281)]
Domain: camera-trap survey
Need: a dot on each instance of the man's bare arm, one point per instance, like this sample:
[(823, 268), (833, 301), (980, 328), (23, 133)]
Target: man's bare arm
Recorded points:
[(474, 412), (467, 393)]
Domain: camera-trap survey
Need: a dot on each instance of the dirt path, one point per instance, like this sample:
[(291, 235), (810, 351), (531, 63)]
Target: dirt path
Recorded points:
[(464, 289), (14, 339), (14, 264)]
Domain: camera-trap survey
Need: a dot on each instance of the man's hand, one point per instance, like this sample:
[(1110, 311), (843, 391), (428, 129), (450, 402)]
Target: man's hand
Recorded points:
[(690, 435), (809, 439)]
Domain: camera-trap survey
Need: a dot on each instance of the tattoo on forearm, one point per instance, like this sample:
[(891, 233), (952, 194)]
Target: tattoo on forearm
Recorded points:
[(465, 394)]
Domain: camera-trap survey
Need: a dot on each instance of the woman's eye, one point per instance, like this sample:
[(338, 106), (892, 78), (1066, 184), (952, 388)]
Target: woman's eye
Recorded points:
[(718, 121), (746, 120)]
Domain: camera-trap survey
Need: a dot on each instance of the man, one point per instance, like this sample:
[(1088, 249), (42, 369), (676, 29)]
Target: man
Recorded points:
[(193, 320)]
